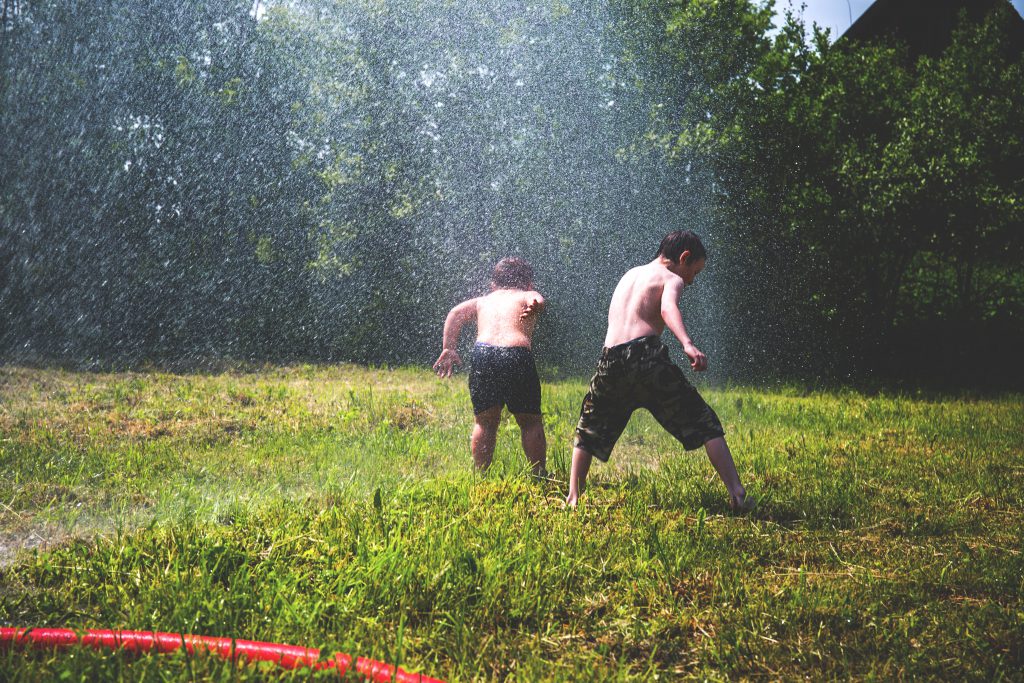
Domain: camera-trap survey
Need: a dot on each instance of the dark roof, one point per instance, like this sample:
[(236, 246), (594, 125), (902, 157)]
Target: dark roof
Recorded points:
[(925, 25)]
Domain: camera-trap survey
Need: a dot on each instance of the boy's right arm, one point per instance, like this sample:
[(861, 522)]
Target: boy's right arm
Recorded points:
[(457, 317)]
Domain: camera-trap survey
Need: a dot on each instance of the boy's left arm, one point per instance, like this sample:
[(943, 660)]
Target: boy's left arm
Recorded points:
[(673, 318)]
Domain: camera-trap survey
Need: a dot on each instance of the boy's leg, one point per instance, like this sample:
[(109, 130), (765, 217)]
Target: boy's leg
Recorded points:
[(721, 457), (603, 416), (535, 445), (578, 475), (485, 433), (681, 410)]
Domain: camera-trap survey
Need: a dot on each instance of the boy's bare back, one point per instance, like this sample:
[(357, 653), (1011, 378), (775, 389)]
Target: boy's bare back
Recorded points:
[(636, 305), (504, 317)]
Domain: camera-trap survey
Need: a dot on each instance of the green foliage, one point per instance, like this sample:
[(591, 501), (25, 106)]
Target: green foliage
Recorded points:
[(315, 127), (334, 507), (288, 188), (873, 196)]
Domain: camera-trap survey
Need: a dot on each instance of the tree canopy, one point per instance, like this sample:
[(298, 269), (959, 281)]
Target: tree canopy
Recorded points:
[(323, 179)]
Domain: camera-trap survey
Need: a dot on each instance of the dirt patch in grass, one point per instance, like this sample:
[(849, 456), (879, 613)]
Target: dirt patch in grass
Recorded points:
[(410, 416), (40, 538)]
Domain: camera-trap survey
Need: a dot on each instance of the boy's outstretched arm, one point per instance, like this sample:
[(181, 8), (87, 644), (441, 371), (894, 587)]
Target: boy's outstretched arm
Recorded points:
[(673, 318), (457, 317)]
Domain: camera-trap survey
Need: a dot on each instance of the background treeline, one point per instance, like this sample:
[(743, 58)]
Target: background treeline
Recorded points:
[(313, 180)]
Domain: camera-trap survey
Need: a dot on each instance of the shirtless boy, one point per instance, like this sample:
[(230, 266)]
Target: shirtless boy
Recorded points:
[(635, 370), (503, 372)]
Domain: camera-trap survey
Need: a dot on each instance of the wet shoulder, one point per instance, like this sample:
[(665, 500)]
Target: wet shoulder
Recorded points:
[(492, 299), (632, 277), (656, 279), (653, 276), (514, 295), (503, 299)]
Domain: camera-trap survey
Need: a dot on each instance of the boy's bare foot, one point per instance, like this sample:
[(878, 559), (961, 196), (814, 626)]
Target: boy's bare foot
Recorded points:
[(571, 502), (742, 504)]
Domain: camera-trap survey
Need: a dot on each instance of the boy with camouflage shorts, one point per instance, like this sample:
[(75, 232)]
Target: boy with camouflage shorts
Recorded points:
[(635, 370)]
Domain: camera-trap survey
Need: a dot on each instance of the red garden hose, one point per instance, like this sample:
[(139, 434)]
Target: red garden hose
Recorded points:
[(288, 656)]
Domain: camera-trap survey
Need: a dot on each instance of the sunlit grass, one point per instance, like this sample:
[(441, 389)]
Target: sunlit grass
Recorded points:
[(334, 507)]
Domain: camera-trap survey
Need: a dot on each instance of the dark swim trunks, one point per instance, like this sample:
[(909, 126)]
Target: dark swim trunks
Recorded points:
[(640, 374), (504, 375)]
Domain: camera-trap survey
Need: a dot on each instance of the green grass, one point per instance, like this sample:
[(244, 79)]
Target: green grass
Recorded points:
[(335, 507)]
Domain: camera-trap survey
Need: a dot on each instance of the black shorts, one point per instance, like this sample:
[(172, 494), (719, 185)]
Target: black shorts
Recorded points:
[(504, 375), (640, 374)]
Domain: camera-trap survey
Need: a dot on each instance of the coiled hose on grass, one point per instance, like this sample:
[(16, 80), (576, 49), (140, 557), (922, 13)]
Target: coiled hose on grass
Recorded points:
[(287, 656)]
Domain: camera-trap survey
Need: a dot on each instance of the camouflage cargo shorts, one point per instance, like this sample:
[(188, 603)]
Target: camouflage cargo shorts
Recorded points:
[(640, 374)]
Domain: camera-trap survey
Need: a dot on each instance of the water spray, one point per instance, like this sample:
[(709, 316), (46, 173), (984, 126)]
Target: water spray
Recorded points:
[(286, 656)]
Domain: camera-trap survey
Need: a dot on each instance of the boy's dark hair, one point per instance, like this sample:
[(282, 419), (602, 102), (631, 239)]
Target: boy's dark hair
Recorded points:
[(675, 243), (513, 273)]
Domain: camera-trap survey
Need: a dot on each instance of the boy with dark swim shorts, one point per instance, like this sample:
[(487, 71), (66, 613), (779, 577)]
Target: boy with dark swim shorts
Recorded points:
[(503, 372), (635, 370)]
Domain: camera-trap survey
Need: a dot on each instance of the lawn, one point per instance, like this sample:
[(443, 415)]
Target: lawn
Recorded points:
[(335, 507)]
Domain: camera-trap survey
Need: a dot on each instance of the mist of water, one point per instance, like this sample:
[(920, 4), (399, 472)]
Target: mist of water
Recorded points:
[(323, 180)]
